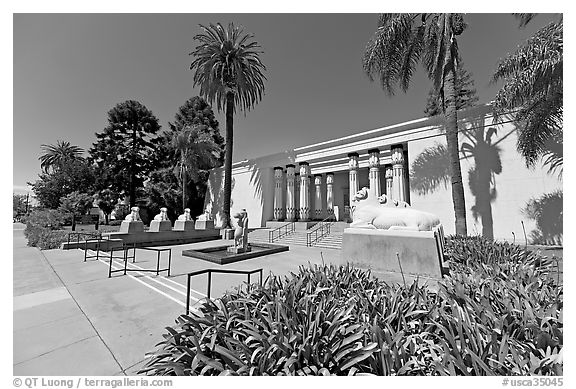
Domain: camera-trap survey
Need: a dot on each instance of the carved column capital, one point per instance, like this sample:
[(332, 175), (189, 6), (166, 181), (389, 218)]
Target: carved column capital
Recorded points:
[(397, 155), (304, 169), (353, 161), (317, 179), (374, 159), (329, 178)]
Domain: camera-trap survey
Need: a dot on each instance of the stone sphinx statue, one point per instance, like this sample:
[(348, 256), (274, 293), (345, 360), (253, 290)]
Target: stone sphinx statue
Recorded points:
[(383, 214), (205, 216), (241, 232), (186, 215), (134, 215), (163, 215)]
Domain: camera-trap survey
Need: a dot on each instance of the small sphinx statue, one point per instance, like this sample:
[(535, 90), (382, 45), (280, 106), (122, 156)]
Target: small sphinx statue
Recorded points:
[(186, 215), (134, 215), (205, 216), (163, 215), (382, 214)]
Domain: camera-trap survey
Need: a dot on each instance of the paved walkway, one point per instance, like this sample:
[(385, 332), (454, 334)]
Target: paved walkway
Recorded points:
[(71, 319)]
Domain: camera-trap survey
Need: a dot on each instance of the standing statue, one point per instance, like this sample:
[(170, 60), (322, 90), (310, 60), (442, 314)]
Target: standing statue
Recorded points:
[(241, 232), (382, 214)]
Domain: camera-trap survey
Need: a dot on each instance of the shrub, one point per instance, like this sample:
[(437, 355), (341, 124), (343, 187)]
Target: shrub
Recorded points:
[(115, 222), (43, 229), (496, 317)]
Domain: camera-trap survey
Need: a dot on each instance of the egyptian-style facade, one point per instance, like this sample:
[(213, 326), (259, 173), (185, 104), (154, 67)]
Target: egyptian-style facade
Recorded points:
[(317, 181)]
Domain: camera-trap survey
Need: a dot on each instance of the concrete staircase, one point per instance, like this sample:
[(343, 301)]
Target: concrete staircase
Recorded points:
[(330, 241)]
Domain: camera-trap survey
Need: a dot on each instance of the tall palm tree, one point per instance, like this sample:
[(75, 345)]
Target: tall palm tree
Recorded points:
[(533, 84), (398, 45), (228, 69), (56, 155), (196, 150)]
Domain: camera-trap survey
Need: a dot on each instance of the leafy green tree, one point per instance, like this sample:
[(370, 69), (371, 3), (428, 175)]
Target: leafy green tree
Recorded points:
[(228, 69), (123, 151), (399, 44), (20, 204), (533, 87), (78, 175), (196, 151), (54, 157), (75, 203), (466, 96), (106, 200), (162, 189)]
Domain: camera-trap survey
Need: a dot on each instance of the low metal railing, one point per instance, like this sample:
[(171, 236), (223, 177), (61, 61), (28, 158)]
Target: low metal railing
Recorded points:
[(95, 234), (319, 231), (126, 247), (288, 228), (210, 271)]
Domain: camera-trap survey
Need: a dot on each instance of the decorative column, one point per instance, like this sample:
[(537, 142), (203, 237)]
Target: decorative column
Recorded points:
[(330, 194), (398, 181), (278, 191), (290, 195), (318, 210), (353, 175), (304, 191), (388, 175), (297, 196), (374, 163)]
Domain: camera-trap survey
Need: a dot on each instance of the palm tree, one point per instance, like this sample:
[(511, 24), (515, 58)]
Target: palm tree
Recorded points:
[(229, 72), (533, 83), (55, 156), (399, 44), (196, 150)]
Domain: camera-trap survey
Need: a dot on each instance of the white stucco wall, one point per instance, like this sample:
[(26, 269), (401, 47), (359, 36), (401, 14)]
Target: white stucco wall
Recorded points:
[(515, 185)]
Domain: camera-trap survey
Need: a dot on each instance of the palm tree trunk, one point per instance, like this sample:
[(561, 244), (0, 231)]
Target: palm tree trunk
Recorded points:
[(184, 184), (228, 159), (452, 146), (132, 190)]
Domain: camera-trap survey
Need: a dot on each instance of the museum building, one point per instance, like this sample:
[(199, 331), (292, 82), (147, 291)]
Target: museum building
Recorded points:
[(405, 161)]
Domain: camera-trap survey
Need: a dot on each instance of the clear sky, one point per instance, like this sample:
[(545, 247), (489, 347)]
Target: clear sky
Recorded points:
[(70, 69)]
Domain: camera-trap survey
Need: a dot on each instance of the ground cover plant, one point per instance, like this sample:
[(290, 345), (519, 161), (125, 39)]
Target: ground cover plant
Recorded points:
[(498, 313)]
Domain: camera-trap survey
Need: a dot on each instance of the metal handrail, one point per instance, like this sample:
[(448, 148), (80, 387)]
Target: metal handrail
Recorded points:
[(210, 271), (324, 228), (95, 234), (291, 225)]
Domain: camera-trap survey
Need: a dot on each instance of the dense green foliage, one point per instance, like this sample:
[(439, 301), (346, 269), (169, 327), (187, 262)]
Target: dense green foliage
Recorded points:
[(54, 157), (43, 228), (466, 96), (123, 151), (76, 203), (533, 87), (19, 205), (74, 176), (498, 313), (547, 211)]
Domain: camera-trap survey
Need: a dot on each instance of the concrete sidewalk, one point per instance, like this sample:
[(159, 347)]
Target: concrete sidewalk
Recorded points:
[(71, 319), (52, 335)]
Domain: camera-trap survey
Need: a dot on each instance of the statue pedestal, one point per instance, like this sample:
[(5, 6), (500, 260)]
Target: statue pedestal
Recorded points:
[(239, 250), (420, 252), (128, 227), (184, 225), (158, 225), (227, 233), (204, 224)]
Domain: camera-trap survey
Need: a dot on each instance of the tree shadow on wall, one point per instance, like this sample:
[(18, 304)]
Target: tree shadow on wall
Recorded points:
[(430, 170), (217, 194), (547, 212)]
